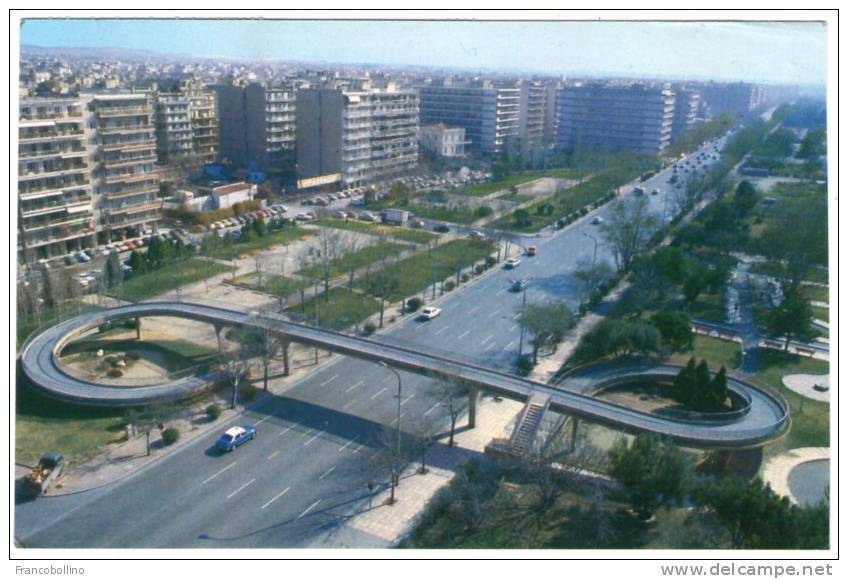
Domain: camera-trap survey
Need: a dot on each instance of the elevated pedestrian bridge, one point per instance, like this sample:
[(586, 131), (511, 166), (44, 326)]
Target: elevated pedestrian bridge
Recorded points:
[(766, 417)]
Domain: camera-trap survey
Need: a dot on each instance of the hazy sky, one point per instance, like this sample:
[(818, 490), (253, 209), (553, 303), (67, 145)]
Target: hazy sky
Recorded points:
[(780, 52)]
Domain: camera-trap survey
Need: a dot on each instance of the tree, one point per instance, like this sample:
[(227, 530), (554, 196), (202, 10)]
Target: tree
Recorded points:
[(653, 473), (328, 247), (628, 230), (235, 365), (619, 338), (590, 276), (137, 261), (675, 330), (546, 324), (792, 318), (382, 284), (451, 395), (695, 390), (744, 198), (260, 344), (795, 238), (422, 436), (757, 518), (682, 387)]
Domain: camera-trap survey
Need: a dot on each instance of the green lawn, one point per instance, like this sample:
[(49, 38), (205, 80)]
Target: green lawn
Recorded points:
[(278, 237), (566, 201), (168, 277), (337, 310), (810, 421), (269, 283), (708, 307), (817, 293), (419, 271), (821, 313), (400, 233), (716, 352), (356, 260), (456, 213)]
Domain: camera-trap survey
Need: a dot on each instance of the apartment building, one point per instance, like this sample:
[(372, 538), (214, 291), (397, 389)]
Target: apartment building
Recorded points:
[(532, 114), (186, 125), (686, 104), (731, 98), (441, 141), (631, 117), (356, 135), (55, 194), (125, 177), (489, 111), (257, 125)]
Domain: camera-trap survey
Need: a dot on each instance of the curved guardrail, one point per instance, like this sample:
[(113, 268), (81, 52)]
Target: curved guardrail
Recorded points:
[(39, 358)]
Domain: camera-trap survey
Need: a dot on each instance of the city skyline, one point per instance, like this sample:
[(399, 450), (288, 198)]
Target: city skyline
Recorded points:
[(777, 52)]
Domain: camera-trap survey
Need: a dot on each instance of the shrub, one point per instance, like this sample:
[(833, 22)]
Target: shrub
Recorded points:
[(170, 436), (525, 364), (369, 328), (413, 304), (448, 286), (114, 373), (132, 356), (478, 269), (465, 277), (213, 411), (248, 392), (490, 261)]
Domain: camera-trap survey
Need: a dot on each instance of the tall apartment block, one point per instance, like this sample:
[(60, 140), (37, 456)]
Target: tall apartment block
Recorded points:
[(55, 196), (731, 98), (187, 126), (686, 103), (257, 125), (125, 175), (532, 114), (488, 111), (361, 135), (615, 117)]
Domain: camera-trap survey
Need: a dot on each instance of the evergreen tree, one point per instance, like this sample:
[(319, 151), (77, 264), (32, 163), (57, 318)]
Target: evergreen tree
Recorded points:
[(718, 389), (682, 388)]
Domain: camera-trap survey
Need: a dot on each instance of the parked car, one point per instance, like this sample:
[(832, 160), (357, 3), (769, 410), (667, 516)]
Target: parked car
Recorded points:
[(429, 313), (441, 228), (512, 263), (235, 437)]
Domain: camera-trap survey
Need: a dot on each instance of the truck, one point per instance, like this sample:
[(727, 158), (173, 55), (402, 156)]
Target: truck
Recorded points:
[(47, 470), (396, 216)]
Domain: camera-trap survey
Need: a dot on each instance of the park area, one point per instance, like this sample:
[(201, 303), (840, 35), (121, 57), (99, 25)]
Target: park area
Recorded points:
[(273, 238), (399, 233), (340, 308), (170, 276)]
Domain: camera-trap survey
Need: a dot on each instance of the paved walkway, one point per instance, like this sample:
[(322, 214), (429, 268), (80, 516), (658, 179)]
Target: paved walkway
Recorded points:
[(804, 384), (776, 471), (391, 522)]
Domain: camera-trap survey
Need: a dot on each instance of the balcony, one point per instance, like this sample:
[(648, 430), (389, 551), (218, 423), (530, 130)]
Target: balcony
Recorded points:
[(127, 162), (114, 112), (30, 176), (131, 178), (49, 136), (126, 130)]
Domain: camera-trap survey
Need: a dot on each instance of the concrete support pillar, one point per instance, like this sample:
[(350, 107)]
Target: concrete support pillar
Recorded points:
[(218, 329), (138, 328), (575, 423), (285, 347), (473, 396)]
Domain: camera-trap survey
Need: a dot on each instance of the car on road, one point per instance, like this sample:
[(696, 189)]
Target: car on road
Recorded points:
[(597, 220), (512, 263), (235, 437), (519, 285), (531, 251), (655, 192), (441, 228), (429, 313)]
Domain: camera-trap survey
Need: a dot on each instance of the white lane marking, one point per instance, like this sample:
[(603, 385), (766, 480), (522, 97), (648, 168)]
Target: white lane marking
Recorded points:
[(309, 508), (442, 330), (361, 446), (360, 383), (494, 313), (348, 443), (226, 468), (378, 393), (285, 430), (329, 470), (273, 454), (489, 347), (487, 339), (474, 309), (241, 488), (508, 346), (432, 408), (308, 442), (327, 381), (402, 414), (452, 306), (407, 399), (281, 493), (307, 431), (348, 404), (258, 422), (463, 335), (512, 328)]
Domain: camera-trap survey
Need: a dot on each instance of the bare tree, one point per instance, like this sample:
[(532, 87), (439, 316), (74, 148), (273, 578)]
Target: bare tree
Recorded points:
[(329, 245), (422, 436), (235, 365), (452, 397), (258, 265), (590, 275), (389, 458), (628, 230)]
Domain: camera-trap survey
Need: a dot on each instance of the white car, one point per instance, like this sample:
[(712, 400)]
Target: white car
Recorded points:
[(512, 263), (597, 220), (429, 313)]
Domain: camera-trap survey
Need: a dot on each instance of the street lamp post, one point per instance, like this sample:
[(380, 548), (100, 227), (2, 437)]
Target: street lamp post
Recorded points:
[(595, 251), (521, 338), (397, 442)]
